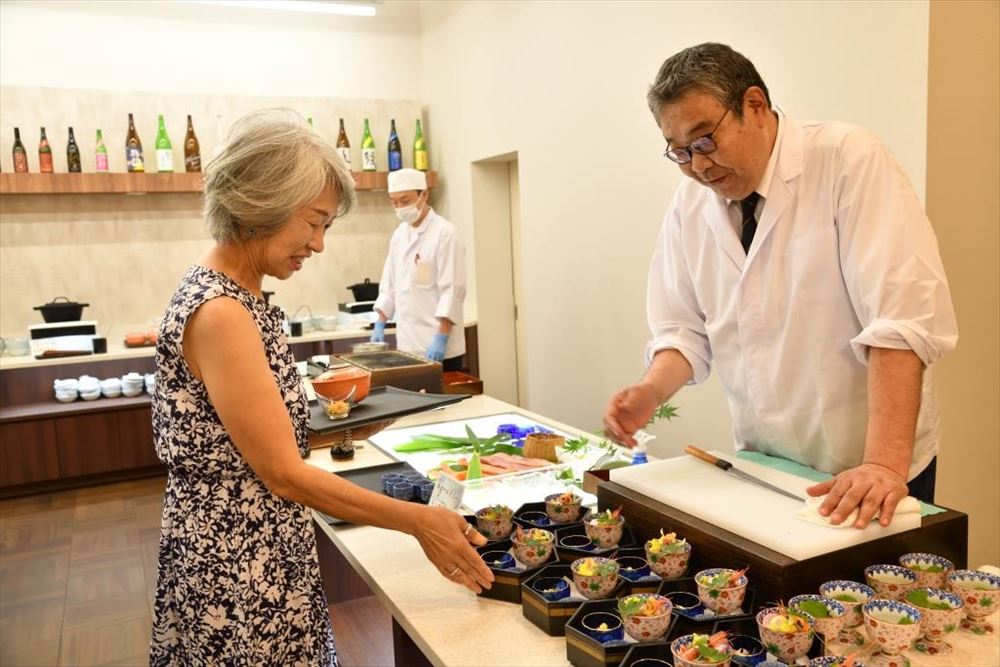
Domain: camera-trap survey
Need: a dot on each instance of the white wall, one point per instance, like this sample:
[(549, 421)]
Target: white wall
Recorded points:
[(177, 47), (564, 85)]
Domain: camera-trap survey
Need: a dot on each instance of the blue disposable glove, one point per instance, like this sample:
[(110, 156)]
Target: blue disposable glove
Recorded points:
[(378, 333), (436, 350)]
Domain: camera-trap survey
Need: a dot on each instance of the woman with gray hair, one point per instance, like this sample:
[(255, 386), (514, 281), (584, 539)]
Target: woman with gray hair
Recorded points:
[(238, 580)]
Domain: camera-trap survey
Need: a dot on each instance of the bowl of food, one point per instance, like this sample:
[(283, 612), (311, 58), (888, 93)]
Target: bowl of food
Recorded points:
[(942, 614), (646, 616), (852, 595), (595, 577), (979, 591), (604, 528), (552, 589), (891, 582), (495, 522), (337, 383), (697, 650), (828, 615), (563, 507), (893, 626), (932, 571), (633, 568), (787, 633), (722, 589), (532, 546), (668, 556)]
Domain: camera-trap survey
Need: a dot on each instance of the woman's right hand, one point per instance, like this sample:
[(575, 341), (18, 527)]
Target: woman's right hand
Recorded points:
[(447, 540)]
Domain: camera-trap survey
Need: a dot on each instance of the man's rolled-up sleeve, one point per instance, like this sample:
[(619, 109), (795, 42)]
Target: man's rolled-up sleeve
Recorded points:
[(675, 318), (889, 256)]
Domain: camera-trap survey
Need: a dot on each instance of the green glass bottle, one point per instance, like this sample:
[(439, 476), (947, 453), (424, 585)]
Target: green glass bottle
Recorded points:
[(164, 149), (419, 149), (73, 162), (20, 154), (101, 154), (367, 150)]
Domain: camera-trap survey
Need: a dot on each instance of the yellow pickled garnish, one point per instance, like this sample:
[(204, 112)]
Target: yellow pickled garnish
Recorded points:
[(337, 409)]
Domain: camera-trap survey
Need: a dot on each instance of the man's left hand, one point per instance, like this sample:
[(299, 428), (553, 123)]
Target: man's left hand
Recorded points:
[(871, 486), (437, 347)]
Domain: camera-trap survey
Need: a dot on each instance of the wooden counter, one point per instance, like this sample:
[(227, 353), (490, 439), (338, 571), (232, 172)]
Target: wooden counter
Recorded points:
[(451, 626)]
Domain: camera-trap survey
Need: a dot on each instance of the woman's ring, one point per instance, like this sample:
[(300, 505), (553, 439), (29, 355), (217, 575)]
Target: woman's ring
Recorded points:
[(454, 572), (468, 530)]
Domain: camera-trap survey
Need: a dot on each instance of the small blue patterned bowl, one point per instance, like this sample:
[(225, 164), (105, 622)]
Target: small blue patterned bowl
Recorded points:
[(402, 490), (503, 560), (891, 611), (539, 519), (891, 582), (614, 631), (754, 651), (580, 542), (633, 568), (552, 589)]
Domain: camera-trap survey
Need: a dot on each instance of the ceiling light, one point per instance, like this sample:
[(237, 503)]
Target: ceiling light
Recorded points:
[(304, 6)]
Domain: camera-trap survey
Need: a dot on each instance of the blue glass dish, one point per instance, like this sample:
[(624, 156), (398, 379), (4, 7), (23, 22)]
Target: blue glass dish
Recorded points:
[(552, 589), (592, 623)]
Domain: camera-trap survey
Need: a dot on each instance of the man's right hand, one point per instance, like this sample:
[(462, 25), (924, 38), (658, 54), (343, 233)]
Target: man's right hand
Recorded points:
[(378, 333), (628, 411)]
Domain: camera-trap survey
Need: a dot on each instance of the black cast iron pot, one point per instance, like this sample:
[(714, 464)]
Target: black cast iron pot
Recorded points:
[(366, 291), (62, 311)]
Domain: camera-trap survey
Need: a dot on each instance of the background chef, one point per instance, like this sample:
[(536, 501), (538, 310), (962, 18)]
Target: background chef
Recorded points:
[(423, 282)]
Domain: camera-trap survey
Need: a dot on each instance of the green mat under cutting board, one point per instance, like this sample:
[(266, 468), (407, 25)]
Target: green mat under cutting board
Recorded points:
[(799, 470)]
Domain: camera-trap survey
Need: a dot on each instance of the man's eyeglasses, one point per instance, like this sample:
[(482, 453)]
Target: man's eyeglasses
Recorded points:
[(702, 146)]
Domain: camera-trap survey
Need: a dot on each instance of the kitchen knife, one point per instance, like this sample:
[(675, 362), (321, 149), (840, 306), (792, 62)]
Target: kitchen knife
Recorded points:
[(725, 465)]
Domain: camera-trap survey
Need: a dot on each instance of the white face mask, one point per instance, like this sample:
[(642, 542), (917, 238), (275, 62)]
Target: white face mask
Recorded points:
[(409, 214)]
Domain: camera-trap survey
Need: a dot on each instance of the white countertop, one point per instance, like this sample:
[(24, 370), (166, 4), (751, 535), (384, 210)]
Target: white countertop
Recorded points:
[(454, 627)]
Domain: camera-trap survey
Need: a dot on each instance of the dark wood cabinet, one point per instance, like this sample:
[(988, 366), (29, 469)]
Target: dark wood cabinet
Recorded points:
[(28, 453), (135, 437), (88, 444)]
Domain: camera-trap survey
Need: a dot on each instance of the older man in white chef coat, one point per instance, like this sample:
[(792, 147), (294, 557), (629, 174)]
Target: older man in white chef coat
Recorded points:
[(423, 282), (797, 257)]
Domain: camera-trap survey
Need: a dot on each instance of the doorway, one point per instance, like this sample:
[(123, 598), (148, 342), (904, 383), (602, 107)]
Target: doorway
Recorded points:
[(496, 209)]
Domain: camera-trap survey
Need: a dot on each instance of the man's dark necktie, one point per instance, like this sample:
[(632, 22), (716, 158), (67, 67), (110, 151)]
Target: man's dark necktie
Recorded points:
[(749, 207)]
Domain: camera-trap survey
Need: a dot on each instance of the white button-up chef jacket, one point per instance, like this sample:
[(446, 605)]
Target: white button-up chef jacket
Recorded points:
[(843, 259), (424, 279)]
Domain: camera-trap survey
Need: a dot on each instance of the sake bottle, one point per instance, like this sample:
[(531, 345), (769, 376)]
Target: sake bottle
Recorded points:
[(44, 155), (133, 149), (367, 150), (419, 149), (343, 145), (192, 149), (164, 149), (101, 154), (20, 155), (395, 149), (73, 162)]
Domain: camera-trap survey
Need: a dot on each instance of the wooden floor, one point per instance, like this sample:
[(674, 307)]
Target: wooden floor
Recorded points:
[(77, 574)]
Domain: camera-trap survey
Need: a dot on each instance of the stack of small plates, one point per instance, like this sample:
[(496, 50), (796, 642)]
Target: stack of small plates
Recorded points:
[(90, 388), (132, 384), (111, 388)]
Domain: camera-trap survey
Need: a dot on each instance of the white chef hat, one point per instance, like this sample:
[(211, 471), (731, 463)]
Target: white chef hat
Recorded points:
[(402, 180)]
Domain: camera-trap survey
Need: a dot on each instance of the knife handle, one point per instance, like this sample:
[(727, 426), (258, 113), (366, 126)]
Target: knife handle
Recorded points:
[(705, 456)]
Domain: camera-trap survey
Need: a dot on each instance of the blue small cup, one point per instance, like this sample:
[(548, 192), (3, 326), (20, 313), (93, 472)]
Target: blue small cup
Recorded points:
[(502, 560), (552, 589), (755, 651), (535, 518), (592, 627), (426, 490), (401, 490), (633, 568), (579, 542), (390, 478), (509, 429)]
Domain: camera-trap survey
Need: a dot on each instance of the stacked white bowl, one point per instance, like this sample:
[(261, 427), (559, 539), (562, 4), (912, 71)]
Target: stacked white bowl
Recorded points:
[(150, 380), (132, 384), (90, 388), (67, 390), (111, 387)]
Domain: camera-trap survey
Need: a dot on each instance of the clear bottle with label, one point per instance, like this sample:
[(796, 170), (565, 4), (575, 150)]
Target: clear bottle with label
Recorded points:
[(100, 154), (44, 155), (133, 149), (420, 160), (164, 149), (367, 150), (343, 145)]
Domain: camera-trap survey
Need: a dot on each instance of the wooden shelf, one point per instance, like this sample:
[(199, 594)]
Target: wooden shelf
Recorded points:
[(93, 184), (53, 408)]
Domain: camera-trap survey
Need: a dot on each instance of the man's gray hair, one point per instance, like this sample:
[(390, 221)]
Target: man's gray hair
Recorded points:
[(710, 68), (272, 164)]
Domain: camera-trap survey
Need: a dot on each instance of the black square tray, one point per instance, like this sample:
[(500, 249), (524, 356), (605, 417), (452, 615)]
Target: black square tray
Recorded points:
[(551, 617), (583, 651), (507, 583), (382, 403), (688, 623), (371, 479)]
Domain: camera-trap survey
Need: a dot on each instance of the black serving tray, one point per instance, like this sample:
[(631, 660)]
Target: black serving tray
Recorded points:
[(382, 403), (583, 651), (551, 617), (547, 524), (371, 479), (695, 620), (507, 583), (640, 651)]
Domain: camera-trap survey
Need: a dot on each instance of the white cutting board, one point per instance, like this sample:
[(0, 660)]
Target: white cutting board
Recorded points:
[(751, 511)]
